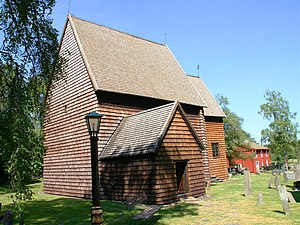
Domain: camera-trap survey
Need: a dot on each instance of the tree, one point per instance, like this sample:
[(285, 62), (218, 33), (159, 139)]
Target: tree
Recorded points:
[(281, 135), (29, 53), (234, 133)]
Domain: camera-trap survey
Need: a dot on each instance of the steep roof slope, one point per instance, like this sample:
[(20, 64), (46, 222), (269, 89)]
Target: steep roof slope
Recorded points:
[(213, 108), (141, 133), (123, 63)]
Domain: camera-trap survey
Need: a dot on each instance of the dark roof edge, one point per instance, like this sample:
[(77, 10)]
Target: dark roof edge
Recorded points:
[(143, 96), (152, 109)]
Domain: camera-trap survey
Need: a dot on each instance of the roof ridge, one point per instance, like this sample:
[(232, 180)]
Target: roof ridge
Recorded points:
[(213, 97), (119, 31), (152, 109), (206, 106)]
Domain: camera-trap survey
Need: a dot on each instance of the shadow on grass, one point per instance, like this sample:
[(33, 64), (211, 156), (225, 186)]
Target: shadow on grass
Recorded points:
[(57, 211), (67, 211), (180, 210), (277, 211), (74, 211), (153, 220)]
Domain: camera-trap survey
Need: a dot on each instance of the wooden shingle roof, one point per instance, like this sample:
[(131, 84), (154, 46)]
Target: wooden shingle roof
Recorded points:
[(143, 132), (213, 108), (122, 63)]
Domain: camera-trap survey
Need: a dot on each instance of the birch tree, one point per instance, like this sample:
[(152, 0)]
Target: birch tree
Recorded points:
[(27, 57), (281, 135)]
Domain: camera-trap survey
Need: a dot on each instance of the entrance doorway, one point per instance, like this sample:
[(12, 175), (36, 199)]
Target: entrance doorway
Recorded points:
[(182, 177)]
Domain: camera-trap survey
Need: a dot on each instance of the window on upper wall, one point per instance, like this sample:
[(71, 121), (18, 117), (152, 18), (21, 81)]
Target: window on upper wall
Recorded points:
[(215, 150), (261, 153), (266, 153)]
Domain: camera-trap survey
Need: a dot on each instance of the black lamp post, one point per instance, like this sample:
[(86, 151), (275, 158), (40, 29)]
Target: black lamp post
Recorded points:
[(93, 123)]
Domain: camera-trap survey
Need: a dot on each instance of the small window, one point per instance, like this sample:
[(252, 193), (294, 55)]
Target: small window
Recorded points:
[(215, 150), (267, 153), (261, 153)]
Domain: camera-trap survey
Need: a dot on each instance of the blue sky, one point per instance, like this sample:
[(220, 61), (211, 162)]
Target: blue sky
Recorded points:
[(243, 47)]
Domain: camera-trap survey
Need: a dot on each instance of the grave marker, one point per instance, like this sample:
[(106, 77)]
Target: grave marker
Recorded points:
[(260, 199), (277, 183), (247, 183), (297, 172), (284, 199), (270, 182)]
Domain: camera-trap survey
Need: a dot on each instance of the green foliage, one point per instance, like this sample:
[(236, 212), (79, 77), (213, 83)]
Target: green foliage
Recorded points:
[(28, 53), (234, 133), (281, 135)]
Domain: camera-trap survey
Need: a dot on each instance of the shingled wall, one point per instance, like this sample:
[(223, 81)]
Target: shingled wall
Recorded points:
[(67, 159), (198, 122), (215, 134), (154, 174)]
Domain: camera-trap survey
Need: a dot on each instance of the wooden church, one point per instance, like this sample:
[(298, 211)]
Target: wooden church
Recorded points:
[(161, 132)]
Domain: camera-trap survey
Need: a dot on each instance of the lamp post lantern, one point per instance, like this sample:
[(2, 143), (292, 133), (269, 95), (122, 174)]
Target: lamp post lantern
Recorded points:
[(93, 123)]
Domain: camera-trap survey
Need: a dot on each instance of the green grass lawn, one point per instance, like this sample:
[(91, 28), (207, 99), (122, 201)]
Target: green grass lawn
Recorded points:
[(226, 205)]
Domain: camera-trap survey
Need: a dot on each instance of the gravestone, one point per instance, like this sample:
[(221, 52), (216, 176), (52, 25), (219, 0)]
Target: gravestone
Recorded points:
[(208, 185), (291, 197), (270, 182), (285, 177), (247, 183), (297, 172), (260, 200), (276, 171), (276, 182), (284, 199), (289, 175)]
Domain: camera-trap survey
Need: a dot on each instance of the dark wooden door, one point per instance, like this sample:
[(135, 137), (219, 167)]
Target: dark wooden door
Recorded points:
[(182, 177)]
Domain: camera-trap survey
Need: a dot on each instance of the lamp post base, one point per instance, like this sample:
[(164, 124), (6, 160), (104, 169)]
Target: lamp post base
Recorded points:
[(96, 214)]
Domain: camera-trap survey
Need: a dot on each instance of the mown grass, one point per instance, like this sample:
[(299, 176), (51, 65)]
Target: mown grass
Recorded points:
[(226, 204)]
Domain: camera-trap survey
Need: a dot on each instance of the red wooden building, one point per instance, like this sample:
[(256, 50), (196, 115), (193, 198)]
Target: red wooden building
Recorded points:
[(260, 156), (123, 77)]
